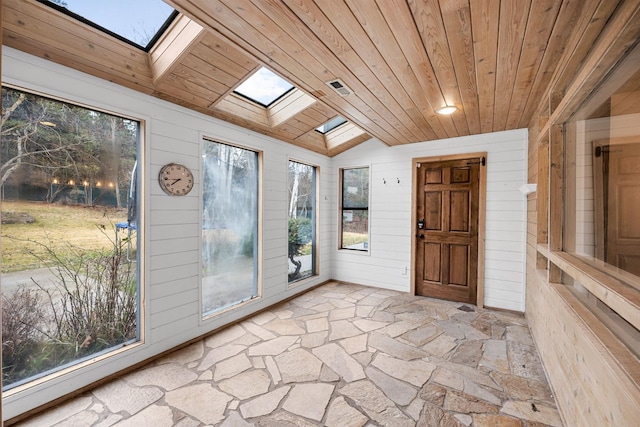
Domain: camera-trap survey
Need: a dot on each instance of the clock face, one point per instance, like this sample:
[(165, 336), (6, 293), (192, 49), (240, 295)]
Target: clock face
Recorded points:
[(175, 179)]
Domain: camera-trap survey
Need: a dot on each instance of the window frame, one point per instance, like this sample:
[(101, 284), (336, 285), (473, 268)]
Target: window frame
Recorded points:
[(315, 264), (254, 100), (141, 261), (205, 318), (619, 291), (341, 209), (147, 48)]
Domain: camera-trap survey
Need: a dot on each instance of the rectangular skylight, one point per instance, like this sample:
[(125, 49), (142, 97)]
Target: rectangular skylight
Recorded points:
[(264, 87), (331, 124), (138, 22)]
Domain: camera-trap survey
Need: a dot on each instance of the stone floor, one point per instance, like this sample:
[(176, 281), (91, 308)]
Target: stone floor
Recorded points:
[(340, 355)]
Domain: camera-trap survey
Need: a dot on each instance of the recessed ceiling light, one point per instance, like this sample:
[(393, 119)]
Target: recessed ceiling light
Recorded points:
[(446, 110)]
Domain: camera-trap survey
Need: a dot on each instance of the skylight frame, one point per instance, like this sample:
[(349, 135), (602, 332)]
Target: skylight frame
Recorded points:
[(258, 102), (334, 123), (161, 30)]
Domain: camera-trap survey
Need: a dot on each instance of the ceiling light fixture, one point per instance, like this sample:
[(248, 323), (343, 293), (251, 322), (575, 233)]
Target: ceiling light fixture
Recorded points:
[(446, 110)]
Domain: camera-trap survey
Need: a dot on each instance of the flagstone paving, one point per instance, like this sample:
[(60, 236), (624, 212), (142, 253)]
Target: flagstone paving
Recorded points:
[(340, 355)]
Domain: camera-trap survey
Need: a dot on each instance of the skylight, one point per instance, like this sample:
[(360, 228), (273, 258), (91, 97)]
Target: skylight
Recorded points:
[(138, 22), (331, 124), (264, 87)]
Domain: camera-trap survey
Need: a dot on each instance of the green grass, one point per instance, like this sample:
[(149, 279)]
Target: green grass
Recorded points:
[(349, 239), (57, 226)]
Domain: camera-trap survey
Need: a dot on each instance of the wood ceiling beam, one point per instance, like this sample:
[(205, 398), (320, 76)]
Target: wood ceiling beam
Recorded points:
[(374, 57), (174, 45), (429, 96), (273, 46), (432, 30), (35, 28), (287, 107), (542, 18), (457, 19), (325, 62), (513, 24), (484, 24)]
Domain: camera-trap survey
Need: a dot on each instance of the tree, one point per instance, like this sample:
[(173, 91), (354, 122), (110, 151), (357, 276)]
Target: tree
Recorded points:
[(30, 139), (300, 233), (43, 139)]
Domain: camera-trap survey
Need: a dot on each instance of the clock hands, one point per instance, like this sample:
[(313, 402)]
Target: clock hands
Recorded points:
[(174, 181)]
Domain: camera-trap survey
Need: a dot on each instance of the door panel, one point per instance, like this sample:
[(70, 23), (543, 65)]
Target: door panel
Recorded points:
[(447, 243), (433, 219), (459, 208), (458, 255), (623, 204), (432, 262)]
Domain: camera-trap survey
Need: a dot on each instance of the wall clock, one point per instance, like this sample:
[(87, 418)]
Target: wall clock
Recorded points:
[(175, 179)]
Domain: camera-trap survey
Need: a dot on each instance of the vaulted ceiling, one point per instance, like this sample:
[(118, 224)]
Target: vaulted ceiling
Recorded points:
[(401, 59)]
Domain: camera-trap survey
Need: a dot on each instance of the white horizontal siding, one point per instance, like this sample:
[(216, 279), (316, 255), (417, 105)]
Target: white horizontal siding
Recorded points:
[(390, 213)]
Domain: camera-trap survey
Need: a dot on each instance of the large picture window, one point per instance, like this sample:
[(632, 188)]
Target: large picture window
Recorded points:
[(229, 226), (70, 239), (302, 221), (354, 201)]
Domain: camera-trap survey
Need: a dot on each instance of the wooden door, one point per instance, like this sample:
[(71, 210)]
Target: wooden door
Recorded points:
[(447, 210), (617, 200)]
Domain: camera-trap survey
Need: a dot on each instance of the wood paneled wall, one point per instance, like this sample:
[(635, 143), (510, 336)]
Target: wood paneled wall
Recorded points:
[(593, 375)]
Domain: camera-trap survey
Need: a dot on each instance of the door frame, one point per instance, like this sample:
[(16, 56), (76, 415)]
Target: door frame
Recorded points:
[(482, 176)]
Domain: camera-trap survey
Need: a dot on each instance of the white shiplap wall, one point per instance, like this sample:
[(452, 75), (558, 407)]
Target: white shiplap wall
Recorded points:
[(390, 213), (172, 226)]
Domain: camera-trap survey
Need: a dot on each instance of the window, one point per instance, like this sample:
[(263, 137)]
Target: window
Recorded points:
[(139, 23), (331, 124), (229, 226), (264, 87), (302, 221), (601, 232), (70, 240), (354, 228)]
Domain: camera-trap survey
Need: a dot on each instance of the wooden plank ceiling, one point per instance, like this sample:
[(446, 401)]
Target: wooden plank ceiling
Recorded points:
[(402, 60)]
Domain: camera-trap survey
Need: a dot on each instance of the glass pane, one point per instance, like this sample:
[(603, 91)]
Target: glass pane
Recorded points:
[(355, 209), (355, 188), (331, 124), (229, 226), (69, 235), (302, 228), (355, 229), (602, 173), (136, 21), (264, 87)]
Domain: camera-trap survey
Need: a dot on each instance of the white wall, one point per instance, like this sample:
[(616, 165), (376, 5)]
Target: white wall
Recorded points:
[(390, 213), (172, 228)]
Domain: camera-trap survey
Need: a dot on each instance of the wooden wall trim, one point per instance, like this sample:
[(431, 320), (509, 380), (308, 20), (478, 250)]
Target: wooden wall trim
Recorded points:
[(620, 296), (594, 377)]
